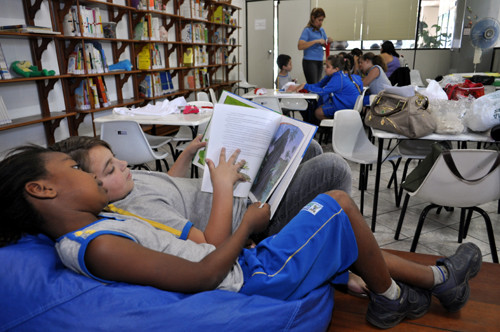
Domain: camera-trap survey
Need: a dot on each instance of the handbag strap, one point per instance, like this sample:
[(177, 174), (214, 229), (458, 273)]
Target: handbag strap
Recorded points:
[(448, 159)]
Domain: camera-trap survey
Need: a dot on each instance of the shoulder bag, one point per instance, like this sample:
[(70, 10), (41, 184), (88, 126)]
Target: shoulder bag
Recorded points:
[(408, 116)]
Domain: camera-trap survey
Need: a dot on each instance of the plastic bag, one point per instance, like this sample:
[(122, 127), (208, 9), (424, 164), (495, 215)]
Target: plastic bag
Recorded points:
[(484, 113), (433, 91), (449, 115)]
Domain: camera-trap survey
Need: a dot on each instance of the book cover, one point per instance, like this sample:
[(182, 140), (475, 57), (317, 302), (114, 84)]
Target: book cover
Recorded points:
[(4, 68), (4, 113), (170, 83), (164, 82)]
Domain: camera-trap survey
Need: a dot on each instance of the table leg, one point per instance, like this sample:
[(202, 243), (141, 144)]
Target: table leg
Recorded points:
[(377, 182)]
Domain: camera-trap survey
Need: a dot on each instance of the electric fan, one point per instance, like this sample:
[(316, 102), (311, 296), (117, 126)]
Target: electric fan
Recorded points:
[(484, 34)]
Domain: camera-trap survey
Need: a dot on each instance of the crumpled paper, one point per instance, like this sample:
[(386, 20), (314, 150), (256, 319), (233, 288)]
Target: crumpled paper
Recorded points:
[(160, 109)]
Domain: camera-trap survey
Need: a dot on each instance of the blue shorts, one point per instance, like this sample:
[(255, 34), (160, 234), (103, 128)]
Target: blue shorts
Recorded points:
[(316, 247)]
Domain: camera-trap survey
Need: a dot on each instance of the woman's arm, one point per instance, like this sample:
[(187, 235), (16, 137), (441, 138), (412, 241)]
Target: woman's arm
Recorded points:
[(117, 258), (183, 163), (306, 44), (372, 75)]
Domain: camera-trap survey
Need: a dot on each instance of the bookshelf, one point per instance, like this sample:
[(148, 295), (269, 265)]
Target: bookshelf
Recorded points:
[(80, 51)]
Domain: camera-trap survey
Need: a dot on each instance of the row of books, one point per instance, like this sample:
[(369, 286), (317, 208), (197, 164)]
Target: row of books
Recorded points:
[(94, 59), (197, 79), (149, 5), (197, 33), (4, 68), (149, 57), (195, 56), (150, 28), (91, 22), (194, 9), (157, 84), (4, 114), (92, 93)]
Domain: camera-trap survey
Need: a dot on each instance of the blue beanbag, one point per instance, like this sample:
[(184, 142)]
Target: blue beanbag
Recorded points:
[(38, 292)]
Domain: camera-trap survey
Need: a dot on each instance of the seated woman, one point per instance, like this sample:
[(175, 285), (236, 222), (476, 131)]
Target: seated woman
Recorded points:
[(390, 57), (375, 78), (336, 90)]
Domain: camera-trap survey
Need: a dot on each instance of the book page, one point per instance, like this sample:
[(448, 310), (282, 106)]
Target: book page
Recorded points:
[(281, 161), (235, 127), (227, 98)]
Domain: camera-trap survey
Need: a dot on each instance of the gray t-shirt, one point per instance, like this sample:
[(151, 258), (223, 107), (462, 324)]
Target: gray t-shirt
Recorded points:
[(378, 84), (282, 80), (71, 247), (173, 201)]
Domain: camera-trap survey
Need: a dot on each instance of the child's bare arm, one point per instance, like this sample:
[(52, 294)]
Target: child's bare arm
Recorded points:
[(116, 258), (182, 164), (223, 177)]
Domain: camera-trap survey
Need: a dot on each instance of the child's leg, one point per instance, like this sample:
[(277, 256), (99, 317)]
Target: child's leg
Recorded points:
[(318, 113)]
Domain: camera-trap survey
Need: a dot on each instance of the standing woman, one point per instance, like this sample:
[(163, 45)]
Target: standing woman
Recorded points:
[(390, 56), (311, 41)]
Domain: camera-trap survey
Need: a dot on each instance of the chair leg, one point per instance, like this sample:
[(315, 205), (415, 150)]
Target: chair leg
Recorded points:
[(491, 235), (394, 172), (461, 225), (467, 222), (403, 178), (420, 225), (362, 185), (402, 216)]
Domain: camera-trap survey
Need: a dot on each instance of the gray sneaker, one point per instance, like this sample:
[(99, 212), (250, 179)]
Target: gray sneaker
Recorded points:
[(462, 266), (413, 302)]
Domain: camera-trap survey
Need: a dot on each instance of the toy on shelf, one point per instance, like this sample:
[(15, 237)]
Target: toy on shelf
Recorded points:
[(121, 65), (26, 69)]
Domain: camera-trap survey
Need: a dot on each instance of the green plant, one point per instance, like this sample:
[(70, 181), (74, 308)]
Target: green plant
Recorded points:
[(428, 40)]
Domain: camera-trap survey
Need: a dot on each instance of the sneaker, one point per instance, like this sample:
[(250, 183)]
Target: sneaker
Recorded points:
[(413, 302), (463, 265)]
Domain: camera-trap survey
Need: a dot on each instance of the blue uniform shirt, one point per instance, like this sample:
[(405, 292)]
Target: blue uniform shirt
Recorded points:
[(314, 52)]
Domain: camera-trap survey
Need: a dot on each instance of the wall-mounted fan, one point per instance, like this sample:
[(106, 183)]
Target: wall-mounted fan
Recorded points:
[(484, 34)]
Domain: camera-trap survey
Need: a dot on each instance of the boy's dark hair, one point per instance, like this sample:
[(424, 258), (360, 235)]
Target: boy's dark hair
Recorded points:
[(78, 148), (375, 59), (21, 165), (283, 60), (356, 52)]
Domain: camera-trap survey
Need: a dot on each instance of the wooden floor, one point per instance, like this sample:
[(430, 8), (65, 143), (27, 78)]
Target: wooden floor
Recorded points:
[(481, 313)]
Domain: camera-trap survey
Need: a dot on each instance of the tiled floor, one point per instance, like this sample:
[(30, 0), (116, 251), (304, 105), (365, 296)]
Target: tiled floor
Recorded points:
[(440, 232)]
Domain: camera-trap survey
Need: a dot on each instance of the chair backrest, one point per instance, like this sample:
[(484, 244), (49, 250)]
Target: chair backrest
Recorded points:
[(415, 78), (269, 102), (295, 104), (349, 136), (128, 142), (213, 97), (358, 106), (202, 96), (442, 187)]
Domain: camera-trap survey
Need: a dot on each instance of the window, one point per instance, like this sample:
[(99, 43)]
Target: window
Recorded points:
[(366, 24)]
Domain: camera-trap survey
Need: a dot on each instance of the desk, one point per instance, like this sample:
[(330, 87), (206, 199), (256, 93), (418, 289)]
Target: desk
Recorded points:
[(282, 95), (178, 119), (381, 135)]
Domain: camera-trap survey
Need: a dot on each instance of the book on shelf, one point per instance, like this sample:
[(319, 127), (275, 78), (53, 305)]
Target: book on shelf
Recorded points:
[(4, 114), (4, 68), (24, 28), (272, 145)]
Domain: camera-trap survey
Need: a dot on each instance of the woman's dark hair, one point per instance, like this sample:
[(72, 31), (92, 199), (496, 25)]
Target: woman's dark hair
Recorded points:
[(283, 60), (315, 13), (375, 59), (388, 47), (337, 61), (348, 65), (356, 52), (78, 148), (20, 166)]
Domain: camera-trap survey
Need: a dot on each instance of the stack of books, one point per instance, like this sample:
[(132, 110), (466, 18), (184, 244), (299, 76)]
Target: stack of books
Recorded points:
[(157, 84), (4, 115), (24, 28), (4, 68), (91, 94)]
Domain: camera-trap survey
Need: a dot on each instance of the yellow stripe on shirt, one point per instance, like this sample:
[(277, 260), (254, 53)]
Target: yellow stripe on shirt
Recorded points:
[(155, 224)]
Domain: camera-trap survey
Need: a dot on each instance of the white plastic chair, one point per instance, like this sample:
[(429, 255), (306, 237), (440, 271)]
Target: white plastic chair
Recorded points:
[(129, 143), (475, 182), (290, 105), (243, 84), (202, 96), (213, 97), (350, 141), (269, 102), (325, 124), (415, 78)]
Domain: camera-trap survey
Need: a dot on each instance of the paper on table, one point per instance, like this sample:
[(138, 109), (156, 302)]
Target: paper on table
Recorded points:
[(160, 109)]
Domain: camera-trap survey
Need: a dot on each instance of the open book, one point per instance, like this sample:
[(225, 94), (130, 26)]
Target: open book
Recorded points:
[(271, 144)]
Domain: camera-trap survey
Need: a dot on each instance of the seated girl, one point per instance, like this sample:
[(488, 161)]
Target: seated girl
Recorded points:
[(336, 90), (373, 66), (46, 191)]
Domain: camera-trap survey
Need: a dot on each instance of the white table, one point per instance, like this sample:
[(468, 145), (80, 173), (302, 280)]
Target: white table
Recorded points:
[(381, 135), (177, 119), (281, 95)]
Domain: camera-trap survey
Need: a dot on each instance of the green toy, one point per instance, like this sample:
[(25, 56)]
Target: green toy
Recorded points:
[(25, 69)]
